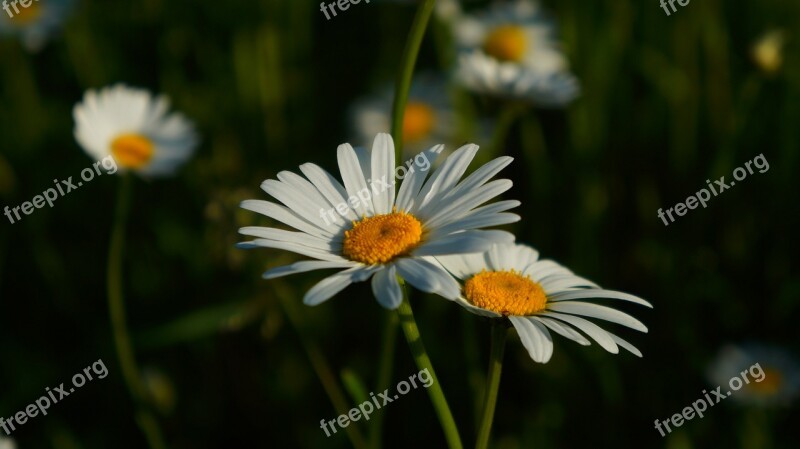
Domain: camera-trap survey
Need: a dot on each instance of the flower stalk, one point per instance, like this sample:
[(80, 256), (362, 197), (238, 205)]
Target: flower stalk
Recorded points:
[(499, 333)]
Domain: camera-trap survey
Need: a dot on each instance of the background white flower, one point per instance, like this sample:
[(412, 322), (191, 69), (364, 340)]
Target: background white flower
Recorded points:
[(135, 128), (36, 23), (510, 50), (781, 382), (430, 117)]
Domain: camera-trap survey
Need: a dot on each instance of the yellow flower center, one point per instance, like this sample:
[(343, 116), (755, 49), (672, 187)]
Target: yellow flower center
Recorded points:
[(418, 121), (506, 43), (505, 292), (770, 383), (379, 239), (132, 150), (27, 15)]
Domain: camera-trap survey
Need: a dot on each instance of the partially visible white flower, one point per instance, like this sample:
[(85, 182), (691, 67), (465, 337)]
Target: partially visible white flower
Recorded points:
[(538, 296), (36, 23), (365, 229), (7, 443), (511, 51), (773, 373), (767, 52), (134, 128), (430, 117)]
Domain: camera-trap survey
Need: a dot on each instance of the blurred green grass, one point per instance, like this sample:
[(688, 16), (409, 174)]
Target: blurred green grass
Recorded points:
[(667, 103)]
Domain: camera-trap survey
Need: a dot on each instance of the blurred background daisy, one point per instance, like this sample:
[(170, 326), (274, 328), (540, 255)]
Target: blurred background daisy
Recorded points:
[(781, 373), (511, 50), (36, 23), (430, 117), (135, 129)]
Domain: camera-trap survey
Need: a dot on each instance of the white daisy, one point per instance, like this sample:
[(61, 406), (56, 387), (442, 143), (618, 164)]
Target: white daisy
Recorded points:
[(511, 51), (7, 443), (773, 374), (536, 295), (380, 234), (35, 23), (135, 129), (429, 116)]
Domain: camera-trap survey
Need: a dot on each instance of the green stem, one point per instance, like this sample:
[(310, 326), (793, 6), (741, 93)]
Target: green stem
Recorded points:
[(499, 332), (320, 365), (409, 60), (116, 306), (388, 345), (423, 362)]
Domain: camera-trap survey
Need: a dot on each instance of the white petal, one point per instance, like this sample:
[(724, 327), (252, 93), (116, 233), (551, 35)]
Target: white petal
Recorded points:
[(285, 216), (304, 266), (481, 176), (354, 180), (555, 283), (428, 277), (482, 221), (304, 188), (386, 288), (445, 177), (626, 345), (463, 266), (330, 286), (413, 180), (294, 200), (597, 294), (534, 337), (383, 170), (563, 329), (329, 187), (592, 330), (543, 268), (597, 311)]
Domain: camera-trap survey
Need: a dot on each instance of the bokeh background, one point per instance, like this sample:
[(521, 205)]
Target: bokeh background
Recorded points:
[(667, 102)]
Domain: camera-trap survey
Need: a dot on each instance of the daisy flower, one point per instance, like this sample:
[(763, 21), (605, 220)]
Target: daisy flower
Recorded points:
[(429, 116), (510, 51), (135, 129), (538, 296), (35, 23), (368, 231), (774, 375)]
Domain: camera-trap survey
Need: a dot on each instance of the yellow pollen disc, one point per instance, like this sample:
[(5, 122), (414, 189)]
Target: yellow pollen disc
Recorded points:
[(27, 15), (379, 239), (505, 292), (770, 384), (132, 150), (506, 43), (418, 121)]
